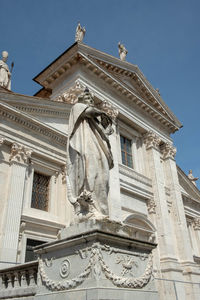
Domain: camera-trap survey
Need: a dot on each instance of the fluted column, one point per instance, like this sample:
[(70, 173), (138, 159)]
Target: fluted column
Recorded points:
[(196, 226), (19, 159), (178, 213)]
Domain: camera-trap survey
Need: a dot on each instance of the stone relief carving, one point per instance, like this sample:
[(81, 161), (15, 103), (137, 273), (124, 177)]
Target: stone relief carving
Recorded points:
[(20, 153), (127, 264), (196, 223), (151, 206), (151, 140), (97, 264), (63, 173), (80, 33), (109, 109), (122, 51), (65, 268), (169, 151), (89, 158)]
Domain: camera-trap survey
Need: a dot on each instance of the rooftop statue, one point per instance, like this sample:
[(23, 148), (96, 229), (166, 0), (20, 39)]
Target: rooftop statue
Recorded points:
[(5, 74), (80, 33), (122, 51), (192, 178), (89, 158)]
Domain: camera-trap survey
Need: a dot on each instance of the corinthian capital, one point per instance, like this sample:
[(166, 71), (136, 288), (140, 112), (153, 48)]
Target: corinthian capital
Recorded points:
[(169, 151), (151, 140), (196, 223), (20, 153)]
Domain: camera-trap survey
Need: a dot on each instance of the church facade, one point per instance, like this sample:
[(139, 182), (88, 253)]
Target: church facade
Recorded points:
[(147, 190)]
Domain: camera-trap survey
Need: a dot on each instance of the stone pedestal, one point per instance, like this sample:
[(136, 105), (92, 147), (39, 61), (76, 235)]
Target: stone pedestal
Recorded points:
[(96, 260)]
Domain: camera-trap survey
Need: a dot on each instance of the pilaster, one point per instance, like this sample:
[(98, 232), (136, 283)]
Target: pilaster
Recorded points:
[(152, 142), (179, 219), (19, 159)]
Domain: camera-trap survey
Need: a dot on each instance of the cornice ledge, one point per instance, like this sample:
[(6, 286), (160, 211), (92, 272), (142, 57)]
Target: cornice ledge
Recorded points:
[(33, 124)]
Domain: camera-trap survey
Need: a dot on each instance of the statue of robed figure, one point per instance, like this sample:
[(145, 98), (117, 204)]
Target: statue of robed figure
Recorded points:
[(89, 158)]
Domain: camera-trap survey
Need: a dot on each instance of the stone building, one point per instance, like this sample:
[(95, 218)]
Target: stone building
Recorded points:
[(148, 190)]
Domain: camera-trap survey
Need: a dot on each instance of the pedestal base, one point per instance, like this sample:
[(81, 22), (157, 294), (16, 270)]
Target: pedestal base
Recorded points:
[(96, 260)]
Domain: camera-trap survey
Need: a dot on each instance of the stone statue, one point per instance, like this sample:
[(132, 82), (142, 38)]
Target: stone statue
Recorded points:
[(80, 33), (192, 178), (122, 51), (5, 75), (89, 158)]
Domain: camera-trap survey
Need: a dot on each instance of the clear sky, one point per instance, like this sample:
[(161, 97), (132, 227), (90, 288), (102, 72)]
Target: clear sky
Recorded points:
[(162, 38)]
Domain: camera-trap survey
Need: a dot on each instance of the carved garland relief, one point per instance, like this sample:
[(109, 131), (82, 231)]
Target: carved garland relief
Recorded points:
[(97, 264)]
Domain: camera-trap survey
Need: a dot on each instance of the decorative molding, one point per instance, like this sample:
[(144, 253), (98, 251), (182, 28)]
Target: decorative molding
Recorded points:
[(97, 264), (196, 223), (168, 151), (151, 206), (43, 111), (151, 140), (20, 153), (134, 175)]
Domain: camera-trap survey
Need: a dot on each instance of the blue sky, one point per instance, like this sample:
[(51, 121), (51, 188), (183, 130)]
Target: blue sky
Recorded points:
[(162, 38)]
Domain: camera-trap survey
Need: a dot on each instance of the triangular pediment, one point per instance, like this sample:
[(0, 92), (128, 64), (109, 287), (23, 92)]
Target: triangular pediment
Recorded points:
[(124, 77)]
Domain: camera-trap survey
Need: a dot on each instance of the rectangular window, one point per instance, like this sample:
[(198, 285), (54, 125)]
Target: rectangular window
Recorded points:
[(126, 151), (40, 192)]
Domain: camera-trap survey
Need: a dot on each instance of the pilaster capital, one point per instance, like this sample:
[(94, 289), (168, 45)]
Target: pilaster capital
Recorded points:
[(196, 223), (19, 153), (151, 206), (151, 140), (168, 151), (64, 173)]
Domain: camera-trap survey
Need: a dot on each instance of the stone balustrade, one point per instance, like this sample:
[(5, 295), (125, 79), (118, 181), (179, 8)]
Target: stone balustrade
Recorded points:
[(20, 280)]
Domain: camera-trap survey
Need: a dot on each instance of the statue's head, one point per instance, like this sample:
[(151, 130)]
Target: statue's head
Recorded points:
[(86, 97), (4, 56)]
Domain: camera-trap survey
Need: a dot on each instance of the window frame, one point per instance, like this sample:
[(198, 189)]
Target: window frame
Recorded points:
[(47, 195)]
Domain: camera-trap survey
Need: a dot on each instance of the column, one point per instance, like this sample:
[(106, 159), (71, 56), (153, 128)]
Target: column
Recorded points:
[(196, 226), (19, 159)]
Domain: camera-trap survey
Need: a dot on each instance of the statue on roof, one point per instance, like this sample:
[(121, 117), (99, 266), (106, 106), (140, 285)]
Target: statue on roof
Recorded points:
[(89, 158), (5, 74), (80, 33), (192, 178), (122, 51)]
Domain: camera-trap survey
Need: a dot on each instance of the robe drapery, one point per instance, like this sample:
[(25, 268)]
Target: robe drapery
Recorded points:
[(89, 157)]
